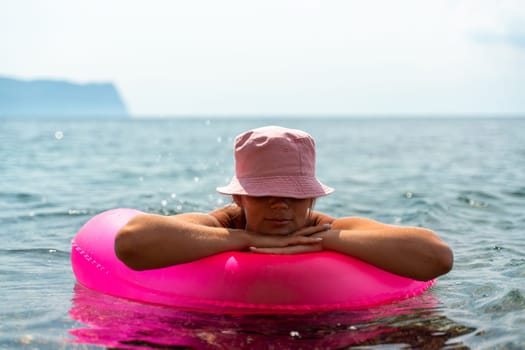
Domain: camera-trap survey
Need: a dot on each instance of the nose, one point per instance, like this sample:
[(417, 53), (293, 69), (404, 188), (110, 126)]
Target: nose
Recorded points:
[(279, 202)]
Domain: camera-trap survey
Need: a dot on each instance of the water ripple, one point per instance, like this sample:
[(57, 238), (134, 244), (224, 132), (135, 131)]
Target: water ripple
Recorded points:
[(35, 252), (512, 301), (462, 178)]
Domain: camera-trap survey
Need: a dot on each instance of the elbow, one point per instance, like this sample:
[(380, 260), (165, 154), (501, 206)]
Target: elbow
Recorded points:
[(442, 262), (445, 260), (127, 247)]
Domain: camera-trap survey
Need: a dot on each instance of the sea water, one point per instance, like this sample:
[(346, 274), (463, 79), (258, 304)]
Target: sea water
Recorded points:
[(463, 178)]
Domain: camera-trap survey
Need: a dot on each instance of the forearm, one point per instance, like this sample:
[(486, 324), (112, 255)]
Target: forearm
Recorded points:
[(407, 251), (154, 241)]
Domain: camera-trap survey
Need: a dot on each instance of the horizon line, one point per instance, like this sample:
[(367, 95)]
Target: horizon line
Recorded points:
[(328, 116)]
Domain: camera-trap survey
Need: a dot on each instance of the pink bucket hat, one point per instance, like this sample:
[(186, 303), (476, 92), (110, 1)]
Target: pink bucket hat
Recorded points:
[(275, 161)]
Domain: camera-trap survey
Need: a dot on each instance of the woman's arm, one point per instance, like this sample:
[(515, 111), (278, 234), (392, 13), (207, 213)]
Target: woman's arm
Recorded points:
[(150, 241), (413, 252)]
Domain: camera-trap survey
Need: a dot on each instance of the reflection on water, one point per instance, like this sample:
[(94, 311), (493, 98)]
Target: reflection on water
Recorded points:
[(121, 324)]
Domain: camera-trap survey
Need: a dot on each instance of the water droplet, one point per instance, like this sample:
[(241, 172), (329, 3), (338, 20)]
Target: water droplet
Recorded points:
[(477, 204), (196, 179), (59, 135), (173, 195), (164, 202), (294, 334), (26, 339)]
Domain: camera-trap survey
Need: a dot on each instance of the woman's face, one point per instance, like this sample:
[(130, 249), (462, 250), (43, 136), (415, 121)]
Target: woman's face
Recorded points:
[(274, 215)]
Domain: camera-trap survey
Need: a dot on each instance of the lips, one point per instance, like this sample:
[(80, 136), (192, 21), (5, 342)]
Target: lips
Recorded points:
[(279, 220)]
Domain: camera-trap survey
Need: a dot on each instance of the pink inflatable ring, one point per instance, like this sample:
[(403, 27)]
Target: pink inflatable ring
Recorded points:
[(235, 281)]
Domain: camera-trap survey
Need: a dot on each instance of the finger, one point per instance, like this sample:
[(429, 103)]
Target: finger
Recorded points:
[(310, 230), (295, 249), (304, 240)]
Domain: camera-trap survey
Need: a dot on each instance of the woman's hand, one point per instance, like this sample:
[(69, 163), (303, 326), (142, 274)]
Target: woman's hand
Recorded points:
[(304, 240)]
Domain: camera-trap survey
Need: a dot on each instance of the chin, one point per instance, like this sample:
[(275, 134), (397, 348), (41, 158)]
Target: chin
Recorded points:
[(278, 231)]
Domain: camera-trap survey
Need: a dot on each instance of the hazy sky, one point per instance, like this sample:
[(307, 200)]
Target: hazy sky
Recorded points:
[(171, 57)]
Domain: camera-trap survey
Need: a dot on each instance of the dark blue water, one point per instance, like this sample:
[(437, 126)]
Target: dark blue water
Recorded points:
[(463, 178)]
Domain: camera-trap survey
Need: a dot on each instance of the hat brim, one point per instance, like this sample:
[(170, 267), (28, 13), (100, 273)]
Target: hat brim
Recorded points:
[(279, 186)]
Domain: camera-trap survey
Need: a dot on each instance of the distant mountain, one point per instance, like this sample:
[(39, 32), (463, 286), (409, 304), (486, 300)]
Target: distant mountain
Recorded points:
[(55, 98)]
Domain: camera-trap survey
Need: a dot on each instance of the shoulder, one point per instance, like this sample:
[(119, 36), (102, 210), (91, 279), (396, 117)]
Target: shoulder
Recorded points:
[(230, 216), (347, 223), (317, 218), (358, 223)]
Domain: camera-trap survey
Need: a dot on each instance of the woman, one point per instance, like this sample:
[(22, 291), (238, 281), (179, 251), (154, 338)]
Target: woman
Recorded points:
[(274, 189)]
